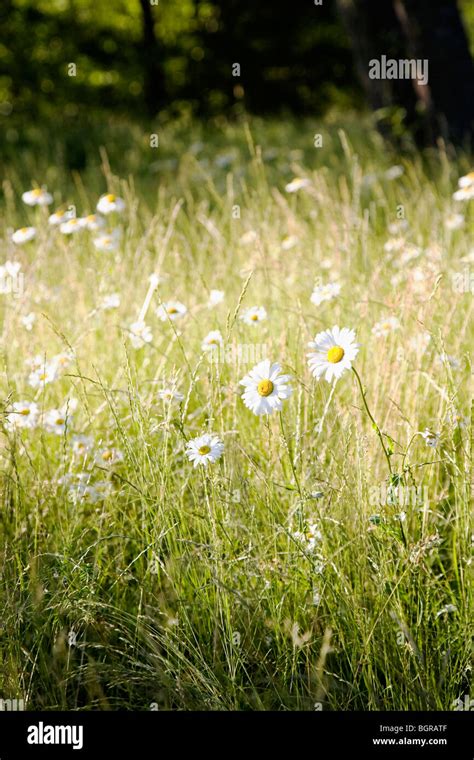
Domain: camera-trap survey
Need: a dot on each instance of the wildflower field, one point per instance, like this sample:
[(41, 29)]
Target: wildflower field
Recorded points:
[(236, 378)]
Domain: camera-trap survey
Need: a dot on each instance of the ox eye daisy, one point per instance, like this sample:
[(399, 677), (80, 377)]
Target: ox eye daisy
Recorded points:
[(327, 292), (82, 445), (171, 310), (253, 315), (23, 235), (215, 298), (92, 222), (430, 438), (296, 184), (204, 450), (108, 241), (212, 341), (169, 395), (39, 196), (71, 226), (139, 334), (59, 217), (24, 414), (110, 203), (108, 456), (42, 375), (57, 420), (385, 327), (334, 352), (265, 388)]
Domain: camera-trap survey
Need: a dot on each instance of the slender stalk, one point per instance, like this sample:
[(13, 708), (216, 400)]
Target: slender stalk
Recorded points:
[(376, 427)]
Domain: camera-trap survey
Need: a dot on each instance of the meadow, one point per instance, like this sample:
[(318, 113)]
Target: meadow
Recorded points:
[(162, 545)]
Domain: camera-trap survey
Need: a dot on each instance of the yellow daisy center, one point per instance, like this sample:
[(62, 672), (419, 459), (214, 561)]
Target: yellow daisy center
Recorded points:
[(111, 198), (172, 310), (107, 455), (25, 412), (265, 387), (335, 354), (254, 317), (204, 450), (60, 421), (24, 229), (37, 192)]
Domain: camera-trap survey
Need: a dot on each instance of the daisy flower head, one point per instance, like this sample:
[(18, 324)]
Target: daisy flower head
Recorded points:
[(212, 341), (70, 226), (92, 222), (107, 241), (334, 351), (466, 188), (169, 395), (24, 414), (39, 196), (205, 449), (253, 315), (108, 456), (431, 438), (323, 293), (454, 221), (140, 334), (57, 420), (82, 445), (111, 301), (60, 216), (265, 388), (23, 235), (310, 537), (46, 373), (171, 310), (385, 327), (110, 203), (215, 298), (296, 184), (28, 321)]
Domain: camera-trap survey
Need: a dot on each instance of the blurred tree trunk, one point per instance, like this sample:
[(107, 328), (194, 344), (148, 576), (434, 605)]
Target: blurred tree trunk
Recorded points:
[(420, 29), (439, 36), (153, 74)]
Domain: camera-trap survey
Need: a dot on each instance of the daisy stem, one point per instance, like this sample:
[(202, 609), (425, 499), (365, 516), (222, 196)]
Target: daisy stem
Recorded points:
[(376, 427)]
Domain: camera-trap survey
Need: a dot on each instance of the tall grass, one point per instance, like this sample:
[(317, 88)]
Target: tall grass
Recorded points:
[(188, 588)]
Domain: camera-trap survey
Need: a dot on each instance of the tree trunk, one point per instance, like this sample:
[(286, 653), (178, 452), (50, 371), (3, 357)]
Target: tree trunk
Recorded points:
[(152, 73), (439, 36)]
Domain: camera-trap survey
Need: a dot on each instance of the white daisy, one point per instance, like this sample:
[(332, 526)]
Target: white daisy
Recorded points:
[(37, 197), (298, 183), (108, 456), (385, 327), (139, 334), (289, 242), (107, 241), (171, 310), (465, 193), (46, 373), (265, 388), (82, 445), (310, 537), (205, 449), (23, 235), (212, 341), (111, 301), (253, 315), (92, 222), (110, 203), (28, 321), (215, 297), (60, 216), (323, 293), (62, 360), (454, 221), (335, 350), (57, 420), (452, 361), (431, 439), (71, 226), (24, 414), (394, 172), (467, 180), (169, 395)]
